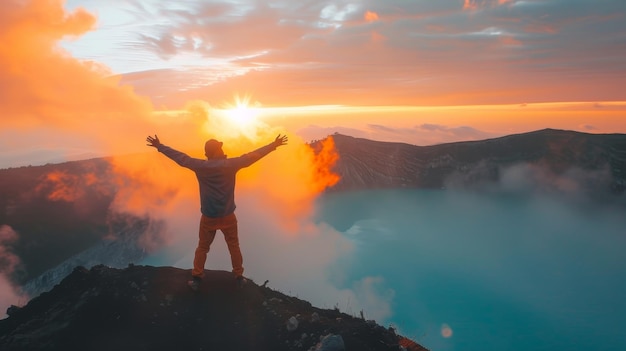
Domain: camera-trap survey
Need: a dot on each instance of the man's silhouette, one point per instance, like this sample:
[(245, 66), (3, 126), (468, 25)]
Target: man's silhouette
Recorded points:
[(216, 177)]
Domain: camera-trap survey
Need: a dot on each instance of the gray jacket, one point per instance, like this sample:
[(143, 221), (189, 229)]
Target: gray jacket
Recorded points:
[(216, 177)]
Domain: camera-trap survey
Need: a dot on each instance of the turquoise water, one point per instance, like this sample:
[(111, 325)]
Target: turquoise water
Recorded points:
[(496, 272)]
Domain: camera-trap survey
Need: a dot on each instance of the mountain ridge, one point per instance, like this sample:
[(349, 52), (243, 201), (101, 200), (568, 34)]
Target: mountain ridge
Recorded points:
[(368, 164)]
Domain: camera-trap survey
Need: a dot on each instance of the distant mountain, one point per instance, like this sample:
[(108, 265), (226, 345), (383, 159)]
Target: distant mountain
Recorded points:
[(152, 308), (116, 250), (367, 164), (57, 210)]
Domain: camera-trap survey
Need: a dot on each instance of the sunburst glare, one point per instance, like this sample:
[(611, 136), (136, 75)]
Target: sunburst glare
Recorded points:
[(241, 116), (241, 111)]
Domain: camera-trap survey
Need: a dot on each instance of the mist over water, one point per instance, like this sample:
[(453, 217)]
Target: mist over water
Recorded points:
[(452, 270), (464, 271)]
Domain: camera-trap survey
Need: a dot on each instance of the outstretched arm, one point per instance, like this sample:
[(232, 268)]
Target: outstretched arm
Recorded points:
[(179, 157), (251, 157)]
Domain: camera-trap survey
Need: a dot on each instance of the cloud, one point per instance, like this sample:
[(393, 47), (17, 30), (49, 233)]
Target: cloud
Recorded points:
[(9, 262), (47, 91), (460, 132), (275, 204), (290, 181), (382, 128), (375, 302), (574, 185), (63, 186), (223, 30), (338, 53), (588, 127), (298, 265), (478, 4), (371, 16)]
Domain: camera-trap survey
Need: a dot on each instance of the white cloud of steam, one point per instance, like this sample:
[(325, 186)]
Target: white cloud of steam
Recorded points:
[(8, 260), (528, 177), (274, 197), (376, 302), (297, 264), (9, 294), (574, 184)]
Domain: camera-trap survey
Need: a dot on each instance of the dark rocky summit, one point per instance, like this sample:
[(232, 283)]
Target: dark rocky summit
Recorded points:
[(152, 308)]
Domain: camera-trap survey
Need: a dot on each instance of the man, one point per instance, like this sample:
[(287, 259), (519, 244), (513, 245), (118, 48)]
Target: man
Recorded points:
[(216, 177)]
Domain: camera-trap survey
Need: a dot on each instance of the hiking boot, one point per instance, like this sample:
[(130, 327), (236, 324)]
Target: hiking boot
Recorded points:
[(241, 281), (194, 283)]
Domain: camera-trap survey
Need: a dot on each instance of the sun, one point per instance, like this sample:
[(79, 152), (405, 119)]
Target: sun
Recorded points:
[(239, 117), (241, 112), (242, 115)]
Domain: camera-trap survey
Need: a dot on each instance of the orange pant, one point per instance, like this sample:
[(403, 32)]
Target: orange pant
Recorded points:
[(208, 228)]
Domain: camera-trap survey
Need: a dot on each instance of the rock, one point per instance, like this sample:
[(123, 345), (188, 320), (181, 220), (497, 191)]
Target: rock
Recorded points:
[(331, 343), (315, 317), (292, 324), (12, 309)]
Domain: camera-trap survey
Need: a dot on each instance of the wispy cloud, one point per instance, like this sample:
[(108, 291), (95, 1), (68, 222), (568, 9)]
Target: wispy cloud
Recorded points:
[(395, 51)]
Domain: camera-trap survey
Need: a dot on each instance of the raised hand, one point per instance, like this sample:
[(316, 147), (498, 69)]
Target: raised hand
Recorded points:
[(280, 140), (153, 141)]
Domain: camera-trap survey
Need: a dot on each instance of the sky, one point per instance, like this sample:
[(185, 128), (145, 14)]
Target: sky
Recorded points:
[(87, 78), (78, 74)]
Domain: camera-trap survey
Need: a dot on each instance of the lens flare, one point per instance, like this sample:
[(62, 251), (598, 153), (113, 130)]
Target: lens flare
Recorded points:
[(446, 331)]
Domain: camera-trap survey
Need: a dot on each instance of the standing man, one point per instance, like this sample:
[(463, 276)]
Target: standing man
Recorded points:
[(216, 178)]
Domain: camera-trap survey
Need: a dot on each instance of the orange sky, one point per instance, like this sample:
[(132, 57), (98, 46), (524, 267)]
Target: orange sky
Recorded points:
[(85, 78)]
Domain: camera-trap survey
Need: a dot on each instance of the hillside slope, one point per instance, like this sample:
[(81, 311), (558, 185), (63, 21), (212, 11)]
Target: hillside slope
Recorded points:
[(151, 308)]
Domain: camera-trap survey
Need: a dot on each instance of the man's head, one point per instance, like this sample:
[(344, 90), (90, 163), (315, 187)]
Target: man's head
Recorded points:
[(213, 149)]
